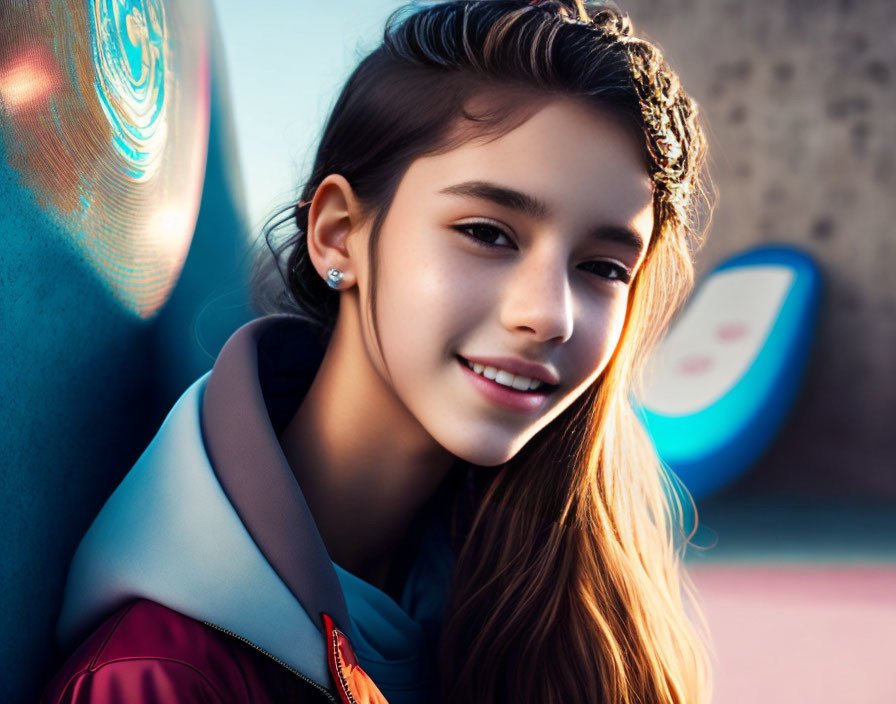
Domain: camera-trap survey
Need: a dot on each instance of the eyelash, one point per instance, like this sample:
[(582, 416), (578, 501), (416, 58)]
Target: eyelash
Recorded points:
[(622, 273)]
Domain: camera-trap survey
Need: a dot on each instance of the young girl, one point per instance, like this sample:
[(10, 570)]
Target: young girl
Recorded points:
[(423, 481)]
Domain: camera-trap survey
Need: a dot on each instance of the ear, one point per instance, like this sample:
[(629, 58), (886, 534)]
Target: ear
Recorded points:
[(334, 221)]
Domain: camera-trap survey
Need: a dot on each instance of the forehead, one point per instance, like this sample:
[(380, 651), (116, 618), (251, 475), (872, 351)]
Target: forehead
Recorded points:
[(584, 162)]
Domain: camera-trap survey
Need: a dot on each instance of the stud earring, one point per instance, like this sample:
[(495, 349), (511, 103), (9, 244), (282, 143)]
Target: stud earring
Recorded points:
[(334, 278)]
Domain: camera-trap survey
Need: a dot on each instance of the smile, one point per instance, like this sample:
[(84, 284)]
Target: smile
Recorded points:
[(504, 378), (505, 389)]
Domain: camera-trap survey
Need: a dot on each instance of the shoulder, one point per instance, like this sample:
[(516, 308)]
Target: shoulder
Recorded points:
[(141, 653), (146, 652)]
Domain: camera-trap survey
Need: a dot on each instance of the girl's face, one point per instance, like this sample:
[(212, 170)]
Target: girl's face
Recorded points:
[(512, 257)]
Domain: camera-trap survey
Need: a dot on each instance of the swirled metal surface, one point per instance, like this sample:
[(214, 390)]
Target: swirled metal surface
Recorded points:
[(129, 55), (104, 111)]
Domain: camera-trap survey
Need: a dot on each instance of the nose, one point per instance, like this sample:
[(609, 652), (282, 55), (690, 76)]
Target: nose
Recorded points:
[(537, 300)]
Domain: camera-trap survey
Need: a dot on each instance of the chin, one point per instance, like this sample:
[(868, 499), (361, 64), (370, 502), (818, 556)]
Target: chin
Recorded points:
[(484, 461), (485, 454)]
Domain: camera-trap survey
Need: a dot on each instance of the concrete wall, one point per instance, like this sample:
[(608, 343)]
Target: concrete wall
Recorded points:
[(800, 102)]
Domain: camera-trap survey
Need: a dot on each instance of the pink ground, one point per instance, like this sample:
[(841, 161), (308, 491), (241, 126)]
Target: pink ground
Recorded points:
[(792, 634)]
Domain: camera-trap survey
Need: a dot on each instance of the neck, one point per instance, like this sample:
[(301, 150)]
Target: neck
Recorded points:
[(364, 463)]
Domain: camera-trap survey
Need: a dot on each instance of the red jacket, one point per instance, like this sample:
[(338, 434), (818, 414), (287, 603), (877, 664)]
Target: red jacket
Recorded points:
[(145, 652), (204, 578)]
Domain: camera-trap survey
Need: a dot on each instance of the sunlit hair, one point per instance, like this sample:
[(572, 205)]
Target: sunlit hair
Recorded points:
[(568, 585)]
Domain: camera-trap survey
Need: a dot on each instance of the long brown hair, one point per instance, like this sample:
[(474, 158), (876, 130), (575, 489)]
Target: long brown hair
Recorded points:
[(568, 584)]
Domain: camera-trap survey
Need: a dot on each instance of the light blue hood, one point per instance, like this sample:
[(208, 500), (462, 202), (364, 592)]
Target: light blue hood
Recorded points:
[(196, 526), (169, 534)]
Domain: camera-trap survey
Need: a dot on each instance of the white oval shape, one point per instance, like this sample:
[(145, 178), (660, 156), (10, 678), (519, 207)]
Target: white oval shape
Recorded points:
[(717, 338)]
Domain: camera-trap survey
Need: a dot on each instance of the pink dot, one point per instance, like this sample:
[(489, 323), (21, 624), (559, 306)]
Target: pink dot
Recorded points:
[(734, 330), (695, 364)]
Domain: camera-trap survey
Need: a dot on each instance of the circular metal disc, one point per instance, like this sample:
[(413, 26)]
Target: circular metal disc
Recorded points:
[(104, 112)]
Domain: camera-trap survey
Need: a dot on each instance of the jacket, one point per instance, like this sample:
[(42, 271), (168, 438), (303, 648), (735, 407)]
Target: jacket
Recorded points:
[(204, 577)]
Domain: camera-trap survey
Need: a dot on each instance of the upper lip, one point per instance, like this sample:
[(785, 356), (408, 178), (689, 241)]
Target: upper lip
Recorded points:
[(519, 367)]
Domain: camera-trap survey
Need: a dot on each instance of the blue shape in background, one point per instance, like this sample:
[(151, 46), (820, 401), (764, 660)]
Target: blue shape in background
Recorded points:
[(710, 448)]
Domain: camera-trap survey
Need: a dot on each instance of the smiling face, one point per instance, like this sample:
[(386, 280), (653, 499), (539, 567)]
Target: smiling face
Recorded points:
[(511, 256)]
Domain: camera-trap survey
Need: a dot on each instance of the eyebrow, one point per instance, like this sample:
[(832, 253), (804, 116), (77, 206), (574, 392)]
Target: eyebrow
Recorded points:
[(537, 209)]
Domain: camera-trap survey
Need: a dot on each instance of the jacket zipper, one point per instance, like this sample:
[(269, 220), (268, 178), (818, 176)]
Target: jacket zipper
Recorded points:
[(321, 689)]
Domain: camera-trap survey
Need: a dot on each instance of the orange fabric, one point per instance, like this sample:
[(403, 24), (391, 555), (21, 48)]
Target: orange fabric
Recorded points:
[(353, 684)]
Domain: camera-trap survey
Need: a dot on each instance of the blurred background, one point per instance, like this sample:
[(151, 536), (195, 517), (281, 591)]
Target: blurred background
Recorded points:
[(799, 584), (114, 303)]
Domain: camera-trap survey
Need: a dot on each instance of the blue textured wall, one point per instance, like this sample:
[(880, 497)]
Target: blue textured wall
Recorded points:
[(85, 384)]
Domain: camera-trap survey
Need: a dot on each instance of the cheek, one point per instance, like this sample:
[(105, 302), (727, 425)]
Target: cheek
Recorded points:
[(617, 323), (422, 304), (601, 336)]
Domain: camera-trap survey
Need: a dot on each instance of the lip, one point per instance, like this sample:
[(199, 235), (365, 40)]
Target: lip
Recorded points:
[(518, 367), (507, 398)]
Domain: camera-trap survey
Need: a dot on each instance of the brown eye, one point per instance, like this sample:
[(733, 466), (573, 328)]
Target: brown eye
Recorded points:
[(609, 270), (484, 234)]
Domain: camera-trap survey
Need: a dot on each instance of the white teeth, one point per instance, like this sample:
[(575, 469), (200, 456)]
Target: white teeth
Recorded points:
[(504, 378), (520, 383)]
